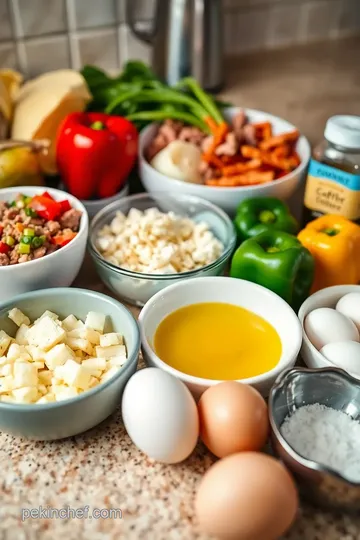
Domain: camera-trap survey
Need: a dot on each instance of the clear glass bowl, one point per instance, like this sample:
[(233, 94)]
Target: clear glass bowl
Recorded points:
[(136, 288)]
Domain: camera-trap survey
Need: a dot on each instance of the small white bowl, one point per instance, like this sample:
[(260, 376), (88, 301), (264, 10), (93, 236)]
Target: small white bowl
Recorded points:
[(325, 298), (227, 198), (238, 292), (94, 206), (59, 269)]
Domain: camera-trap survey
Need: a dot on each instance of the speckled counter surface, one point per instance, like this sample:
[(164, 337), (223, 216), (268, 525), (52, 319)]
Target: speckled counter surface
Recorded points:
[(101, 468)]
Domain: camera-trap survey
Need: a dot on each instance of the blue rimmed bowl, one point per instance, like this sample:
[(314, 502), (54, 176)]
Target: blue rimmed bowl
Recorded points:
[(72, 416)]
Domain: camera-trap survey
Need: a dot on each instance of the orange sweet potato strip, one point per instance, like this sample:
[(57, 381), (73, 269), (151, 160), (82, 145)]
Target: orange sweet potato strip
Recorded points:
[(279, 140), (241, 167), (285, 164), (265, 128), (250, 152), (247, 179)]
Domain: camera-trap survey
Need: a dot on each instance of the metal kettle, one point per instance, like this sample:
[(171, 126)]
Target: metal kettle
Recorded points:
[(187, 40)]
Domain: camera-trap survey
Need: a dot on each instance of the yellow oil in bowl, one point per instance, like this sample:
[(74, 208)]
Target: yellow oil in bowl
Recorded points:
[(219, 341)]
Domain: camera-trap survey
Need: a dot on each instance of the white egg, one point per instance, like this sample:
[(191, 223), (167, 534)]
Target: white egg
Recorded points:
[(180, 160), (160, 415), (344, 354), (349, 305), (326, 325)]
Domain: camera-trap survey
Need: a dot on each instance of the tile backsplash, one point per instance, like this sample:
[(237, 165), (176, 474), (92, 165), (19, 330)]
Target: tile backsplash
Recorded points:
[(39, 35)]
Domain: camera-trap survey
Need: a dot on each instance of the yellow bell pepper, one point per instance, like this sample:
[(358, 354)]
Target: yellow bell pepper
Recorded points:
[(334, 242)]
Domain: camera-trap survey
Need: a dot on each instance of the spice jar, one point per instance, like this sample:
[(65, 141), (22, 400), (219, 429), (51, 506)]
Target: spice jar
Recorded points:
[(333, 181)]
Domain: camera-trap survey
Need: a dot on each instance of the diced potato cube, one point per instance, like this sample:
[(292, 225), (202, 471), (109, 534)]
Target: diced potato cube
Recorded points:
[(5, 341), (42, 389), (76, 375), (7, 398), (6, 384), (58, 355), (93, 382), (94, 363), (109, 352), (96, 321), (18, 351), (79, 355), (46, 334), (18, 317), (79, 324), (48, 314), (85, 333), (112, 371), (38, 365), (37, 354), (46, 399), (45, 377), (6, 370), (58, 388), (66, 394), (20, 336), (26, 394), (25, 375), (82, 344), (69, 323), (4, 360), (112, 338), (75, 333), (117, 360)]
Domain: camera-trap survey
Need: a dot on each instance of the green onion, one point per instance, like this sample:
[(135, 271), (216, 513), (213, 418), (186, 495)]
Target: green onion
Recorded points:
[(29, 232), (27, 200), (37, 241), (26, 240), (155, 116), (9, 240), (12, 204), (24, 249), (30, 212), (205, 99)]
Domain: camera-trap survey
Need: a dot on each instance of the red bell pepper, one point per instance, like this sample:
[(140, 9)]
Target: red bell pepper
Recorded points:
[(4, 248), (65, 206), (95, 153), (45, 207), (63, 239)]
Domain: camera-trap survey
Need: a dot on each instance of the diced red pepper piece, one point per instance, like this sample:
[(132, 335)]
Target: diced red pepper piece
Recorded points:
[(4, 248), (47, 194), (62, 239), (1, 230), (65, 206), (45, 207)]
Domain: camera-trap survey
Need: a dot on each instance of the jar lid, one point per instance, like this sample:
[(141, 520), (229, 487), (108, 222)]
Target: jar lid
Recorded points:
[(344, 130)]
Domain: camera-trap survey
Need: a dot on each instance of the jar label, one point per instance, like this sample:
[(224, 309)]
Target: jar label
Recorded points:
[(332, 191)]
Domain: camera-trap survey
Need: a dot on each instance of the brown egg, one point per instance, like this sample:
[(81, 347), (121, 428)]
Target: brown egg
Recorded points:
[(246, 496), (233, 418)]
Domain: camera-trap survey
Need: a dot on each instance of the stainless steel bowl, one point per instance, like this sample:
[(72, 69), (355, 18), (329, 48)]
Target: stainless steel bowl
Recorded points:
[(334, 388)]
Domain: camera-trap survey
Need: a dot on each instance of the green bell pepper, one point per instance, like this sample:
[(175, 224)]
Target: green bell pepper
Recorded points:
[(278, 261), (254, 216)]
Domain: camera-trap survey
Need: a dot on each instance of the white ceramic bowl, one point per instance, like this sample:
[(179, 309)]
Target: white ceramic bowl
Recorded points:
[(59, 269), (227, 198), (325, 298), (238, 292)]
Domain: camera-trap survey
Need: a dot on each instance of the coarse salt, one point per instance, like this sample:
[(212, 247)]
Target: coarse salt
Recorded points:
[(325, 435)]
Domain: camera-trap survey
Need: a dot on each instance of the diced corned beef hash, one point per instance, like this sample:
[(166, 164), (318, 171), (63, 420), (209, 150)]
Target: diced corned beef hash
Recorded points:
[(32, 227)]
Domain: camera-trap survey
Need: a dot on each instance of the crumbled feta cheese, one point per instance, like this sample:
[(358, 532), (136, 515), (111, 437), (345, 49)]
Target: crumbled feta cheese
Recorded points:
[(158, 243)]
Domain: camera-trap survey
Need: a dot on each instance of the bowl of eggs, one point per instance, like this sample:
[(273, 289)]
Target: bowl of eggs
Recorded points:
[(207, 330), (330, 319)]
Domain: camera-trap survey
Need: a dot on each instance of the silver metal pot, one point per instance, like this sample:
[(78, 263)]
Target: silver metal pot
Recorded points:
[(333, 388)]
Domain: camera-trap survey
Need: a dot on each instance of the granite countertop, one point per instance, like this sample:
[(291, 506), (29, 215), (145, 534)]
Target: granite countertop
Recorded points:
[(102, 468)]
